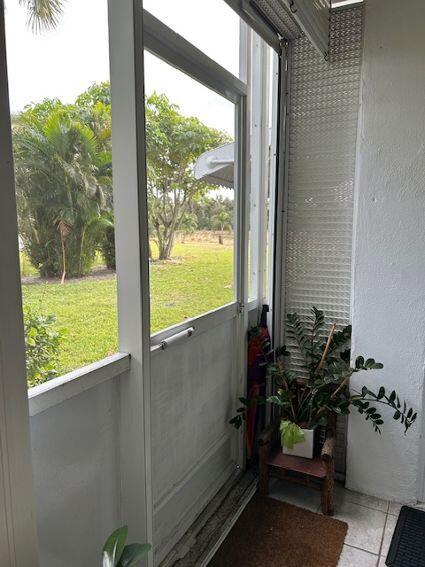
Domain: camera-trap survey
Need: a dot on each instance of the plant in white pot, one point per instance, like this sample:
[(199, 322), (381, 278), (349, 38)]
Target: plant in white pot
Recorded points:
[(320, 391)]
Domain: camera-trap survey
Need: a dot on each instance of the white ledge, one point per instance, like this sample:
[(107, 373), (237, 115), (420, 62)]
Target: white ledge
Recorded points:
[(64, 387)]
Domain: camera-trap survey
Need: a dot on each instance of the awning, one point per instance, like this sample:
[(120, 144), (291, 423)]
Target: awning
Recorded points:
[(217, 166)]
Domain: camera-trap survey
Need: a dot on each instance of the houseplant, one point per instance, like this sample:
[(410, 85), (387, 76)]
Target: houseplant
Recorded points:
[(117, 554), (319, 390)]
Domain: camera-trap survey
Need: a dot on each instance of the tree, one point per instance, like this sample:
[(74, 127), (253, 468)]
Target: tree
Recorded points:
[(43, 14), (173, 144), (222, 221), (94, 109), (188, 225), (206, 207), (62, 174), (97, 92)]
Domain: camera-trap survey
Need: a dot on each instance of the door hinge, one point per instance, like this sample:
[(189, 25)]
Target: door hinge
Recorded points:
[(241, 308)]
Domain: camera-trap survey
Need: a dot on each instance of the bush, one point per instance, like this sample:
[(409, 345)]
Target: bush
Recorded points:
[(42, 342), (107, 247)]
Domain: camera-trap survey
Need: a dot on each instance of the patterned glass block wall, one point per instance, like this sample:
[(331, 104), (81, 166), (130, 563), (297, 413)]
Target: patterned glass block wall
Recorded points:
[(323, 123)]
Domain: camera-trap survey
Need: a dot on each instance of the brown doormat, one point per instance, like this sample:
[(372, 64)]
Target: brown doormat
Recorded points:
[(270, 533)]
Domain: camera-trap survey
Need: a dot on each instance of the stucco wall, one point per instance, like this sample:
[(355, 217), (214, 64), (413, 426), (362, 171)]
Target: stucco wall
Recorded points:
[(388, 308)]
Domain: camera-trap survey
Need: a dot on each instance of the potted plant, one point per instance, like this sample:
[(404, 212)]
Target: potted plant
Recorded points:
[(117, 554), (319, 390)]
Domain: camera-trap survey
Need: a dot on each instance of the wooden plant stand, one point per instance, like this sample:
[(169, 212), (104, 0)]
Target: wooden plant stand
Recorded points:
[(317, 473)]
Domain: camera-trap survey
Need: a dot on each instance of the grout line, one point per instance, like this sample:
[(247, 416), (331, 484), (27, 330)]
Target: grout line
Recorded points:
[(370, 507), (361, 549), (367, 507), (383, 535)]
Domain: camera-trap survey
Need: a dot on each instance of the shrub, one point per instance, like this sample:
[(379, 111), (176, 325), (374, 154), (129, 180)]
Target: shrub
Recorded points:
[(63, 176), (107, 244), (42, 342)]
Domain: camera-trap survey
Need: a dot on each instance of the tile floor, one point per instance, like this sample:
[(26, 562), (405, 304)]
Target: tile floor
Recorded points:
[(371, 521)]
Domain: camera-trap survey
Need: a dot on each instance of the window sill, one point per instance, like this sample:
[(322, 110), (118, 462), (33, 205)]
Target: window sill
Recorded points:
[(64, 387)]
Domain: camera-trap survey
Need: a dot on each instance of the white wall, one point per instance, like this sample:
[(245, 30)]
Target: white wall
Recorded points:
[(389, 267), (76, 476)]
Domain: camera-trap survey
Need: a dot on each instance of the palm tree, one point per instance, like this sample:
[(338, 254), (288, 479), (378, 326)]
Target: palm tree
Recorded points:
[(188, 225), (222, 221), (62, 173), (43, 14)]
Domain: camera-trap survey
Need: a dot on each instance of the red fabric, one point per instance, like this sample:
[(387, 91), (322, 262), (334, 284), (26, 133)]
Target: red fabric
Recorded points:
[(256, 380)]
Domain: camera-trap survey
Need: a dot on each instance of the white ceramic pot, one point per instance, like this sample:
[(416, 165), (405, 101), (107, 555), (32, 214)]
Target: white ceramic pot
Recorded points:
[(303, 449)]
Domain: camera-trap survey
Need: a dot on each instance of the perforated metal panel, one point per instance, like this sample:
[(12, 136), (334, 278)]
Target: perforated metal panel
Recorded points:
[(324, 109), (279, 16)]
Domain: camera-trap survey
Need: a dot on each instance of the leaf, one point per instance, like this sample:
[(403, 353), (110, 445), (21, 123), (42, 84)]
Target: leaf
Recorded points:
[(114, 546), (236, 421), (397, 415), (392, 396), (107, 560), (381, 393), (133, 553), (359, 362), (290, 434)]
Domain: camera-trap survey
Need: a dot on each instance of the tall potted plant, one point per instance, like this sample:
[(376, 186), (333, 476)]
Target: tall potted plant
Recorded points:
[(319, 390)]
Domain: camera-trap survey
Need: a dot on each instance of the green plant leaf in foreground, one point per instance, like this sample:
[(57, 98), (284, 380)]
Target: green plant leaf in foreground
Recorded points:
[(133, 553), (114, 546)]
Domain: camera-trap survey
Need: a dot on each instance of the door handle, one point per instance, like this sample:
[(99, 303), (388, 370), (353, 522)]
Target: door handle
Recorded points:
[(173, 339)]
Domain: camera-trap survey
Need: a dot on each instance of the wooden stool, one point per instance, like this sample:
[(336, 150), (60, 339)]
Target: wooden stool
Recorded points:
[(315, 473)]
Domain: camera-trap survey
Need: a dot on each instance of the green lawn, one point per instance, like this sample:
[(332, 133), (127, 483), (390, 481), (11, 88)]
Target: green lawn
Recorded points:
[(198, 279)]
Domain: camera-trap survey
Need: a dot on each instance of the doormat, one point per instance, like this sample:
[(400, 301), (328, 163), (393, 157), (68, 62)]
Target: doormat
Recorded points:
[(407, 547), (276, 534)]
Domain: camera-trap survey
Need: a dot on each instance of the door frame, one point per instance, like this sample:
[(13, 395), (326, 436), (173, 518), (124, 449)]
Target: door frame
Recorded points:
[(18, 539), (163, 42)]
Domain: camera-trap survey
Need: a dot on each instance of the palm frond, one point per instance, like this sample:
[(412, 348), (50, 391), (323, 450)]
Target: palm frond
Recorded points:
[(43, 14)]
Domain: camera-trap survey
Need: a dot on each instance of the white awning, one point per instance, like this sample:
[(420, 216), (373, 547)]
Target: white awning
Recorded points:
[(217, 166)]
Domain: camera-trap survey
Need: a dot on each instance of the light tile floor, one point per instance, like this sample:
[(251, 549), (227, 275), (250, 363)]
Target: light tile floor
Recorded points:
[(371, 521)]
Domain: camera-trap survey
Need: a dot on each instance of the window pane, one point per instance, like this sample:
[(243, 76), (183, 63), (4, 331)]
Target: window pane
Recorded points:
[(211, 25), (263, 140), (60, 103), (190, 166)]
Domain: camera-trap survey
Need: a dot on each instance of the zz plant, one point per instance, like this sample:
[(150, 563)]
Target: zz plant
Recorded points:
[(320, 388)]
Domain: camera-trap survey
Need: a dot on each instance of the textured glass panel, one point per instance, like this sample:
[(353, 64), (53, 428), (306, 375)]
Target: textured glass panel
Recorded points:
[(322, 151)]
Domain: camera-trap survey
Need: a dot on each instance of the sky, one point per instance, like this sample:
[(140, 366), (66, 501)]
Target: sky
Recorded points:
[(63, 62)]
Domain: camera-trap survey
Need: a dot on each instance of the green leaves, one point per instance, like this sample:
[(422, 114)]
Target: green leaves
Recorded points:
[(369, 364), (325, 391), (290, 434), (42, 342), (401, 413), (114, 546), (297, 331), (63, 170), (43, 14), (117, 554), (240, 416), (133, 553)]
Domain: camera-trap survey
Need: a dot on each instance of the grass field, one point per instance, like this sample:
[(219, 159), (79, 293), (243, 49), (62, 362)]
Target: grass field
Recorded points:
[(198, 279)]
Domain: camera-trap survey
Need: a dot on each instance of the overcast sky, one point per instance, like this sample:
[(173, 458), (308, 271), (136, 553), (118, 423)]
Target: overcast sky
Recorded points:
[(64, 62)]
